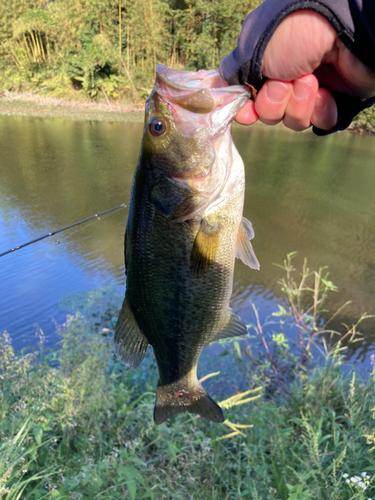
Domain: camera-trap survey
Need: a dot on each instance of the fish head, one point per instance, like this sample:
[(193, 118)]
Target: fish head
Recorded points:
[(187, 145)]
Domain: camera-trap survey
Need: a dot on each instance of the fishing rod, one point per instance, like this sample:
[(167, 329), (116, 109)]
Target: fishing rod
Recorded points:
[(52, 233)]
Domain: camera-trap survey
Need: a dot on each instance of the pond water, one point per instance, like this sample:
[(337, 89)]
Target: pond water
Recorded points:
[(312, 195)]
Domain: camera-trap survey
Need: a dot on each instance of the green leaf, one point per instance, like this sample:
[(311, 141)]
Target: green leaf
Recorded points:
[(329, 284), (131, 473), (38, 434), (237, 347), (172, 450)]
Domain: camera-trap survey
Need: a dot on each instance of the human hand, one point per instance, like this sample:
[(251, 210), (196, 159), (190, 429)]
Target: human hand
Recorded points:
[(305, 61)]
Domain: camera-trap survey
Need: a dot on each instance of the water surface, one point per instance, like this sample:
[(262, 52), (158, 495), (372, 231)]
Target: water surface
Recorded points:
[(303, 193)]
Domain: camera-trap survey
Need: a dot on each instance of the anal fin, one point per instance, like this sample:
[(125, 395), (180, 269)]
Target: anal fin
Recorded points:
[(245, 250), (233, 328), (130, 343)]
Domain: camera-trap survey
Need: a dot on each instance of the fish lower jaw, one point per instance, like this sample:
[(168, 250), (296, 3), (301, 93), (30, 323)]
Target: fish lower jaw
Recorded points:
[(195, 178), (196, 183)]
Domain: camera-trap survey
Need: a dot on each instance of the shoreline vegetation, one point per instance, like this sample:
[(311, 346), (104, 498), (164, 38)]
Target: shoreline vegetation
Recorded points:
[(58, 56), (75, 424)]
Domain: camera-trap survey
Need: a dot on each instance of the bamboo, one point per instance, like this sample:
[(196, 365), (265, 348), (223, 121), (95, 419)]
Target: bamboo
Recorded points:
[(42, 47), (153, 33), (128, 47), (119, 29), (15, 58), (106, 98), (145, 54), (28, 50), (130, 80), (35, 48)]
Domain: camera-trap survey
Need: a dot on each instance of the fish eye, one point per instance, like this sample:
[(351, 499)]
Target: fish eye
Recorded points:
[(157, 127)]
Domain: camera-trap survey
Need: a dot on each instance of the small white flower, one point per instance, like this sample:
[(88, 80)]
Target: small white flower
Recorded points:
[(362, 485), (345, 475), (354, 479), (348, 481), (364, 474), (83, 474)]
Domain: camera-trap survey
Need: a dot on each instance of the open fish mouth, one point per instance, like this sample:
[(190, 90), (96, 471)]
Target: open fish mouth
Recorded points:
[(199, 100)]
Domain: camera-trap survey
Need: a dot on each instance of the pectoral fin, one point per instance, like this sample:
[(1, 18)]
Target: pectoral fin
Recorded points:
[(233, 328), (205, 248), (130, 343), (245, 250)]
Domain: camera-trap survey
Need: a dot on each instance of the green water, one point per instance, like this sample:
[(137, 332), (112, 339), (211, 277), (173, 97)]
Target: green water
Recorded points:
[(312, 195)]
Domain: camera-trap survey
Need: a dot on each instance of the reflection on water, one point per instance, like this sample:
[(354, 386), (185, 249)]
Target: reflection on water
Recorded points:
[(313, 195)]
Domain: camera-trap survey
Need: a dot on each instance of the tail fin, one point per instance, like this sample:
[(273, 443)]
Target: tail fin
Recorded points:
[(171, 399)]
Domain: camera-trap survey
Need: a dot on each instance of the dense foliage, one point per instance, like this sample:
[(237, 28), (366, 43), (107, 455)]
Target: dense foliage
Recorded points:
[(111, 47), (74, 424)]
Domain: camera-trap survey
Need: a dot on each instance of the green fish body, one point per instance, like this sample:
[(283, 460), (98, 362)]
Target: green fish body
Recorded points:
[(184, 231)]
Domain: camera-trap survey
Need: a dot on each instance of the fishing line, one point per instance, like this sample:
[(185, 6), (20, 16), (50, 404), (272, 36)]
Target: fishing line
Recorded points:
[(52, 233)]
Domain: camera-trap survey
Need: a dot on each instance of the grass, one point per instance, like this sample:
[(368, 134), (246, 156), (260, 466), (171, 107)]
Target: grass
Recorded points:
[(75, 424)]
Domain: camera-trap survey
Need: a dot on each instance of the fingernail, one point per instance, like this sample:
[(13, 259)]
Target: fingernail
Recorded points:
[(319, 102), (301, 89), (276, 92)]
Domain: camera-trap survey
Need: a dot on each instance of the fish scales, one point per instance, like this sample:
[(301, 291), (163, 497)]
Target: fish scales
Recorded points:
[(184, 230)]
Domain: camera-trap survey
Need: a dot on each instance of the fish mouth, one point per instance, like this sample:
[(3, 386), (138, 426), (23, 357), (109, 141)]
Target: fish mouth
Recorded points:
[(199, 100)]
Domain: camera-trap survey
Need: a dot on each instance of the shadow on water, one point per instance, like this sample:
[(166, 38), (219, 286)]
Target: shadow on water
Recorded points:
[(303, 193)]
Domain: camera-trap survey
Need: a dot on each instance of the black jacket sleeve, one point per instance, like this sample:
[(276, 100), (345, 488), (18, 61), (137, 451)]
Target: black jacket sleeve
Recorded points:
[(353, 20)]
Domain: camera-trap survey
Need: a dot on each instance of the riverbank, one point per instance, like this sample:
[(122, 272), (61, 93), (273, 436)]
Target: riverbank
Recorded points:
[(31, 104)]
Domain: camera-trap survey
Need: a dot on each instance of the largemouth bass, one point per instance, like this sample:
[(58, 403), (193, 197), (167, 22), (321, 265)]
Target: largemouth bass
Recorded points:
[(184, 231)]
